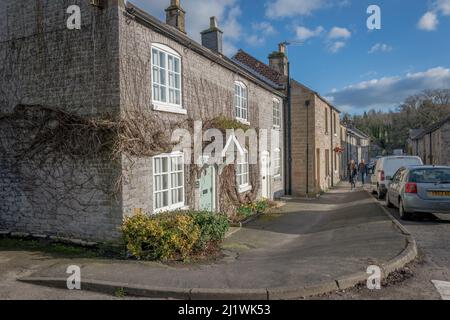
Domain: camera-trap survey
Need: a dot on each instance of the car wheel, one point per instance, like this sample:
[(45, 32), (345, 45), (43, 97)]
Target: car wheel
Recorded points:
[(403, 214), (388, 203)]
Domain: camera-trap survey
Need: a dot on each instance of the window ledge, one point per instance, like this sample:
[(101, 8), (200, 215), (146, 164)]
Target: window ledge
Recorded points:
[(171, 208), (277, 177), (277, 128), (243, 121), (245, 189), (168, 108)]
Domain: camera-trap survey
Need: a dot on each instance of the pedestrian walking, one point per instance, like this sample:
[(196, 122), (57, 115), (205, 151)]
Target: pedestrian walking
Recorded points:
[(362, 169), (352, 173)]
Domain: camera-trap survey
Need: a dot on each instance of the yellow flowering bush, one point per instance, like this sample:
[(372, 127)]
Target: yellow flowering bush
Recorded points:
[(162, 237), (174, 235)]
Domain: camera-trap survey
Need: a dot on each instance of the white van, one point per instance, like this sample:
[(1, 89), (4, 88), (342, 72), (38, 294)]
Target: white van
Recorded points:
[(386, 168)]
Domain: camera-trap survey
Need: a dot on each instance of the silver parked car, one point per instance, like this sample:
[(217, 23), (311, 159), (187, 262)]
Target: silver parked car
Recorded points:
[(420, 189), (385, 169)]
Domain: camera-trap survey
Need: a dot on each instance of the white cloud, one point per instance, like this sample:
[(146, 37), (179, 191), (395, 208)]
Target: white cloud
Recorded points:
[(290, 8), (260, 32), (304, 33), (428, 22), (335, 47), (337, 39), (389, 92), (443, 6), (339, 33), (380, 47), (265, 28)]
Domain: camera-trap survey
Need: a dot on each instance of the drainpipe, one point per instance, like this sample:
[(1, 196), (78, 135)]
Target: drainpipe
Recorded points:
[(331, 149), (288, 135), (307, 102)]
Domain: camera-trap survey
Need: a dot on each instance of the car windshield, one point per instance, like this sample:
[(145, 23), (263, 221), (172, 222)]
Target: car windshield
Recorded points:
[(438, 175)]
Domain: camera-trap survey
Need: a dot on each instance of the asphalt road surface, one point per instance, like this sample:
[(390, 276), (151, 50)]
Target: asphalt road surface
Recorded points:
[(432, 234)]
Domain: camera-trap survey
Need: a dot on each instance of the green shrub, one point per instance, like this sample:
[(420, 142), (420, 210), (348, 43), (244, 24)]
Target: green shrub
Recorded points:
[(246, 210), (251, 208), (212, 228), (262, 206), (176, 235)]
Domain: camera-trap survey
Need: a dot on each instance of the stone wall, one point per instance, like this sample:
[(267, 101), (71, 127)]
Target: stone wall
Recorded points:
[(445, 146), (312, 169), (303, 126), (434, 147), (44, 63)]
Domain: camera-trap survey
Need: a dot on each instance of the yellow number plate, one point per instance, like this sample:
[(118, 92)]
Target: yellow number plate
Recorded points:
[(440, 193)]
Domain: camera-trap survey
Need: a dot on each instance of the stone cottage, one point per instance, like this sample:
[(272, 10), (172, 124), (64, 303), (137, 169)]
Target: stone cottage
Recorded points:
[(87, 112), (432, 144), (313, 128), (355, 146)]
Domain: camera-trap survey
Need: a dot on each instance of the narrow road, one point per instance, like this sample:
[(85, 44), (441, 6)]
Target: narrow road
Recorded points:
[(432, 234)]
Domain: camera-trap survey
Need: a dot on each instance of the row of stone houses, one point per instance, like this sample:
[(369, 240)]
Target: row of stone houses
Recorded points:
[(355, 146), (314, 156), (432, 144), (124, 74)]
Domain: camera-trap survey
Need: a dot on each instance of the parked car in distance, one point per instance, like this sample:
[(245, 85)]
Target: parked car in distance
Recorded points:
[(420, 189), (385, 169)]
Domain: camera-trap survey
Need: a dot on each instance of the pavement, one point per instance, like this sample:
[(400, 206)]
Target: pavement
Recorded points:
[(305, 248), (428, 277)]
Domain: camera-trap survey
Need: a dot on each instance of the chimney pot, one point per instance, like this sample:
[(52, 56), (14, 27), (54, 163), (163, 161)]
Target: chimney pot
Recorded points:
[(213, 23), (278, 61), (175, 15), (212, 37)]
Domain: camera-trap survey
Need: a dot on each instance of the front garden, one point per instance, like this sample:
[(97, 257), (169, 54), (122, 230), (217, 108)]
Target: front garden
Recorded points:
[(182, 235)]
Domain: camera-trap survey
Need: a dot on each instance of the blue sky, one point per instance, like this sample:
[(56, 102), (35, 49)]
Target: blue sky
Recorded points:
[(336, 55)]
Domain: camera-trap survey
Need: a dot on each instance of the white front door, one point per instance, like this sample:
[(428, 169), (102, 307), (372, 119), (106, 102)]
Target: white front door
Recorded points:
[(207, 189), (265, 175)]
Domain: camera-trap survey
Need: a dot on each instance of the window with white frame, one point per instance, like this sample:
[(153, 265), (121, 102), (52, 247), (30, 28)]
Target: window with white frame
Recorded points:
[(242, 171), (277, 163), (241, 101), (276, 113), (166, 76), (168, 182)]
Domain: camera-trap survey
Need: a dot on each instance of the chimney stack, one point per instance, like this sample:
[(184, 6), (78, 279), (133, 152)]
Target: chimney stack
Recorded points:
[(279, 60), (212, 37), (175, 15)]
